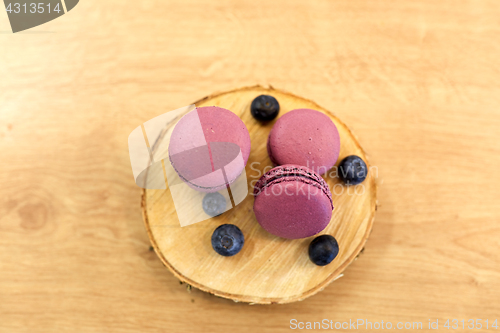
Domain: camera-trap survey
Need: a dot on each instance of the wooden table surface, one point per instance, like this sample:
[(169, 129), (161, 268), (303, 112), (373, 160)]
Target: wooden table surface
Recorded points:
[(417, 81)]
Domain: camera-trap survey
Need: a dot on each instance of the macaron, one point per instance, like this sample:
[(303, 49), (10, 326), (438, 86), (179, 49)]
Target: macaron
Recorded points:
[(304, 137), (292, 201), (209, 148)]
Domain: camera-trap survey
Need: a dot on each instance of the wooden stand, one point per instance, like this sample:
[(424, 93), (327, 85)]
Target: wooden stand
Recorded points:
[(268, 269)]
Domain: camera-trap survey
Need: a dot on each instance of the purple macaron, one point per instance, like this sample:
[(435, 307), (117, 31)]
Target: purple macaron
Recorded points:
[(292, 201), (304, 137), (209, 148)]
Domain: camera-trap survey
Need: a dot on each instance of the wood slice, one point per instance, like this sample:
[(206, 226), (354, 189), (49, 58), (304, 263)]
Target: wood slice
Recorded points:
[(268, 269)]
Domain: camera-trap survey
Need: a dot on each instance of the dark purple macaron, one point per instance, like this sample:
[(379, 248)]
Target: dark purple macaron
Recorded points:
[(304, 137), (292, 201)]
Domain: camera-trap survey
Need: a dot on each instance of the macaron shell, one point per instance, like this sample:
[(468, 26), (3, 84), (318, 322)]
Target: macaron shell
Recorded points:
[(269, 151), (306, 212), (204, 142), (305, 137), (221, 125)]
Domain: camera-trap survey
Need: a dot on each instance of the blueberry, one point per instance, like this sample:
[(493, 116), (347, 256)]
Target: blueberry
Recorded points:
[(214, 204), (352, 170), (265, 108), (323, 249), (227, 240)]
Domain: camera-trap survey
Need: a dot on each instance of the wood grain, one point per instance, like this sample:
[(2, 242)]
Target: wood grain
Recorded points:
[(417, 81), (269, 269)]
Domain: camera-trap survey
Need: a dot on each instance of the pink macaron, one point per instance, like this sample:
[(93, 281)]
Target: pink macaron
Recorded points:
[(209, 148), (292, 201), (304, 137)]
